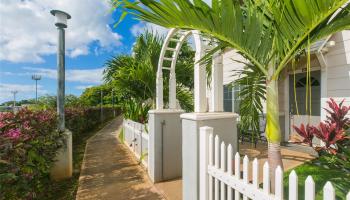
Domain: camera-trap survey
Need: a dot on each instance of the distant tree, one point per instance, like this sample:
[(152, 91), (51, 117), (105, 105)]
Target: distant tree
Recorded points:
[(92, 96)]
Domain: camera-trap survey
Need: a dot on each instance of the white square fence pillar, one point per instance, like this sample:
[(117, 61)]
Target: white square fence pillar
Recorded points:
[(165, 140), (225, 126)]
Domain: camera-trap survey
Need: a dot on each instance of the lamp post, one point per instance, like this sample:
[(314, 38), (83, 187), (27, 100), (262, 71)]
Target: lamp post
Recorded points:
[(36, 78), (113, 102), (61, 23), (14, 98), (101, 109)]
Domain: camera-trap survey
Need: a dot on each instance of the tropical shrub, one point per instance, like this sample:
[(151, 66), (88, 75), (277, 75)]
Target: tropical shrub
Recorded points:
[(136, 111), (334, 134), (28, 144), (133, 77), (252, 92), (81, 120)]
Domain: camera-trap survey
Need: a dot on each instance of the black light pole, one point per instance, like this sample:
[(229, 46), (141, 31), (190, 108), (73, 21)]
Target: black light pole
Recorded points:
[(36, 78), (61, 24)]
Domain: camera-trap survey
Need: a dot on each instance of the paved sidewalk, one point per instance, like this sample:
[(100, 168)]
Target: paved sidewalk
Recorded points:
[(110, 171)]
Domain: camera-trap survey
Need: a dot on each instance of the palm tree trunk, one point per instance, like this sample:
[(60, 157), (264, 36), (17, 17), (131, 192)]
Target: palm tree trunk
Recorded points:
[(273, 131)]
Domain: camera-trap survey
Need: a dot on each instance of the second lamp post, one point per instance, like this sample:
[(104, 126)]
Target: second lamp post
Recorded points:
[(61, 24)]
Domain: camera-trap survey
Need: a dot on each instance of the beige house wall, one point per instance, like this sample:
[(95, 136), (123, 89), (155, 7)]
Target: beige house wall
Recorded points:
[(337, 73)]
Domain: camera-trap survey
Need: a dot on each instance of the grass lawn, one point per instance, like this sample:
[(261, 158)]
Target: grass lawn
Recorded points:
[(340, 180), (66, 189)]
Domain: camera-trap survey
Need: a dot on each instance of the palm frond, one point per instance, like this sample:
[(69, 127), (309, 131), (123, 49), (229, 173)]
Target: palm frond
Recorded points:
[(252, 92)]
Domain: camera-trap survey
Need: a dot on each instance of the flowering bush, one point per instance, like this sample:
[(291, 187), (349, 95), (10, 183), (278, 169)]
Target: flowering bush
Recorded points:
[(28, 144), (80, 120), (334, 133)]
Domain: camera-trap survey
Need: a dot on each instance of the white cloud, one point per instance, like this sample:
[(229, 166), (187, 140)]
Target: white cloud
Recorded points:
[(83, 87), (24, 91), (28, 31), (141, 27), (72, 75)]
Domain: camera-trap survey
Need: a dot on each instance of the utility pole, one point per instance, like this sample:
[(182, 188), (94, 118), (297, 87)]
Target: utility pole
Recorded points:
[(101, 104), (61, 24), (113, 102), (14, 98), (36, 78)]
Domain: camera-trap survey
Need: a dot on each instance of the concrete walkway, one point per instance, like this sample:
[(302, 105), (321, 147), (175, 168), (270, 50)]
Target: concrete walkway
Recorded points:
[(110, 171)]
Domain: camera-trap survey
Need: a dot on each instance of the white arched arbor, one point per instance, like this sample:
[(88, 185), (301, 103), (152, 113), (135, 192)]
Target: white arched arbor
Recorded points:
[(166, 132), (176, 37)]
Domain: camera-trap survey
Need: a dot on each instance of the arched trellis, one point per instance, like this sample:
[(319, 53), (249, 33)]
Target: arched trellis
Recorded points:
[(179, 37)]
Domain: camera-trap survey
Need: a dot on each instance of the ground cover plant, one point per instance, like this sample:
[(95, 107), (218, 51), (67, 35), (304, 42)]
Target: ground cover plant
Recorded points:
[(320, 175)]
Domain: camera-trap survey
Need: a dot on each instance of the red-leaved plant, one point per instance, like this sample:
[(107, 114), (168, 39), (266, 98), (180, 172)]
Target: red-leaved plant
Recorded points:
[(331, 132)]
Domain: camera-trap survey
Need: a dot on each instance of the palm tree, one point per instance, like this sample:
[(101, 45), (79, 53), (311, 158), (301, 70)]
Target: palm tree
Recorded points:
[(134, 76), (268, 33)]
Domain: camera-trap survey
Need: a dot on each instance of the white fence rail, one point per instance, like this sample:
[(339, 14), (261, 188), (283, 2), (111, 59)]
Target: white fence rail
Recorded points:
[(218, 180), (136, 138)]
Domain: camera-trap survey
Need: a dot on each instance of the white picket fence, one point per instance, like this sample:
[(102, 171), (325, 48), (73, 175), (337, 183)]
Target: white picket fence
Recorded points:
[(218, 180), (136, 138)]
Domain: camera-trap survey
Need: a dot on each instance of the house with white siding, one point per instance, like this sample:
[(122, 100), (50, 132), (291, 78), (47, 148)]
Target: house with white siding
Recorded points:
[(330, 78)]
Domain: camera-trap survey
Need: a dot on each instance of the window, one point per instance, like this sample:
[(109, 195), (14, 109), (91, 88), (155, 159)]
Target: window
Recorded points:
[(231, 99), (227, 98)]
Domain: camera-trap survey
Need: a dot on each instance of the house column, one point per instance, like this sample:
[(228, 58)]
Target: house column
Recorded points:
[(200, 84), (217, 97)]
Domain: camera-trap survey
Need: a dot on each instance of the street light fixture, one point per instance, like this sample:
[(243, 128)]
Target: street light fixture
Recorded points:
[(14, 98), (36, 78), (61, 23)]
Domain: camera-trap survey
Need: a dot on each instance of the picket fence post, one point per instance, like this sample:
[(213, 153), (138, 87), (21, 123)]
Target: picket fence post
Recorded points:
[(266, 178), (328, 191), (229, 169), (309, 188), (293, 186), (237, 172), (205, 159), (279, 183), (216, 153), (223, 166), (245, 173)]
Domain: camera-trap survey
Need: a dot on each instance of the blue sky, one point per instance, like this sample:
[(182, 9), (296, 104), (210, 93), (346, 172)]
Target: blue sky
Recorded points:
[(28, 44)]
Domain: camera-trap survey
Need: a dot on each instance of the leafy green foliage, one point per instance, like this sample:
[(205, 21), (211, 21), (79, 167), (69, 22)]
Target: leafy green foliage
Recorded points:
[(28, 145), (134, 77), (334, 133), (268, 33), (320, 174), (135, 111), (252, 86), (83, 119), (92, 96)]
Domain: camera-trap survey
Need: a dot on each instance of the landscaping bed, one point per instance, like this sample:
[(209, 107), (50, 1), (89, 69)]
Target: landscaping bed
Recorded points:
[(28, 145), (320, 174)]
